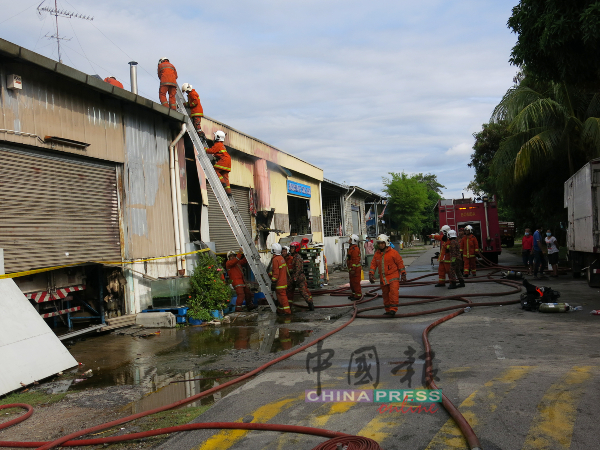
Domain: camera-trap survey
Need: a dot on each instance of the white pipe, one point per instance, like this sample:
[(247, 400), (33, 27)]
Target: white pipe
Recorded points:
[(174, 184), (180, 212)]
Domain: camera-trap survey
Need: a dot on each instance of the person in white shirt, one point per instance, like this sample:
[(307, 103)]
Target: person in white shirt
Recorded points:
[(552, 247)]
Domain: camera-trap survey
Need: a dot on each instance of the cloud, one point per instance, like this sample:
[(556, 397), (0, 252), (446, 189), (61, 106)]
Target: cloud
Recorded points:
[(358, 89), (462, 149)]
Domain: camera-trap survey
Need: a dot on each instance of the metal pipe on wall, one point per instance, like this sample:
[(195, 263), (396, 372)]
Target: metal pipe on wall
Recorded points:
[(174, 184), (180, 209)]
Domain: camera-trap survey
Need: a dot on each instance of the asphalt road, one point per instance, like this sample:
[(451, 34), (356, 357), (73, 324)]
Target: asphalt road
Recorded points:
[(523, 380)]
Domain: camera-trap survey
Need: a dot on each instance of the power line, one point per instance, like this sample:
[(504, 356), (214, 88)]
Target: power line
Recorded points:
[(40, 35), (6, 20), (80, 46)]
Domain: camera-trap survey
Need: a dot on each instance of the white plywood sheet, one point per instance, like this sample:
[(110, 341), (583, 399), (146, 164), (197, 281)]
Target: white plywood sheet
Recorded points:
[(29, 349)]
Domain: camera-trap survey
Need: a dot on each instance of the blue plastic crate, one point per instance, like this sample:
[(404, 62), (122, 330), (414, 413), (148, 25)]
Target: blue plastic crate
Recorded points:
[(181, 319), (182, 311)]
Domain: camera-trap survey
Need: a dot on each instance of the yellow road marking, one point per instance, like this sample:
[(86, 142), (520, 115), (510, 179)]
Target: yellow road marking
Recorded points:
[(380, 427), (226, 438), (552, 426), (483, 400)]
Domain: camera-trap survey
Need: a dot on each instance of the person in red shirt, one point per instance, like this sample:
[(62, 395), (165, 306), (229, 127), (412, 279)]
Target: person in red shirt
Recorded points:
[(222, 160), (391, 272), (354, 267), (236, 275), (279, 277), (112, 80), (167, 75), (196, 111), (527, 250)]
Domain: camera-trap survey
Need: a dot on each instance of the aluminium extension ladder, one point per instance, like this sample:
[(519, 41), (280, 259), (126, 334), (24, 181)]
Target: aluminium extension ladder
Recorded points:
[(228, 206)]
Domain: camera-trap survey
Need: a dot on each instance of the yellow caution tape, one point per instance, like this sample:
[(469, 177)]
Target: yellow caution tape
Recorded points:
[(47, 269)]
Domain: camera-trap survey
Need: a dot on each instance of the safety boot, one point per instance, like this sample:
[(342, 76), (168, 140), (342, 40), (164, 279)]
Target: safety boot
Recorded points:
[(439, 285), (201, 134), (389, 313), (466, 275), (311, 306), (461, 284), (452, 285), (251, 307)]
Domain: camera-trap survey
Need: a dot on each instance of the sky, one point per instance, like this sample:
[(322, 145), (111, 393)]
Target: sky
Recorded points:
[(359, 89)]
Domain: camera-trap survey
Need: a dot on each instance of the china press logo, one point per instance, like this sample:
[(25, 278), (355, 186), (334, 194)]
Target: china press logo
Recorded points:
[(373, 396)]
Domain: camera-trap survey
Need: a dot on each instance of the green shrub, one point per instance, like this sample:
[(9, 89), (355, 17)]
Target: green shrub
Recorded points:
[(208, 292)]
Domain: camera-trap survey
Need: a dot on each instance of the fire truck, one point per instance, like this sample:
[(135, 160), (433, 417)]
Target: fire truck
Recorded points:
[(481, 214)]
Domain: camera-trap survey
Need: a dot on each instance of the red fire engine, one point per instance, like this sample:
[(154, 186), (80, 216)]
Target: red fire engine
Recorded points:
[(481, 214)]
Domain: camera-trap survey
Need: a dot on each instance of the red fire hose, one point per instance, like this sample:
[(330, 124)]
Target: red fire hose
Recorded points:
[(335, 438)]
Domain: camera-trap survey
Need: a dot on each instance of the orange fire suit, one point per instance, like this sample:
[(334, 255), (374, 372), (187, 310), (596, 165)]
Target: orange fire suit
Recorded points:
[(234, 270), (444, 260), (354, 267), (391, 266), (279, 275), (469, 248), (114, 82), (222, 164), (196, 111), (168, 83)]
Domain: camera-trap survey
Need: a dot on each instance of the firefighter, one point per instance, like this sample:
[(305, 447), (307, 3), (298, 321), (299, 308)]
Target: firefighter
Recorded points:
[(222, 161), (285, 252), (455, 261), (279, 277), (112, 80), (470, 251), (391, 273), (444, 259), (297, 277), (168, 83), (354, 267), (196, 111), (236, 275)]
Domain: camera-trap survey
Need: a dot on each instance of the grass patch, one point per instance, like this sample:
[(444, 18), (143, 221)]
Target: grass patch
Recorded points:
[(33, 398)]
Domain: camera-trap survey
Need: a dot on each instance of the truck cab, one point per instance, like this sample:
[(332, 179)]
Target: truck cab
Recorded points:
[(481, 214)]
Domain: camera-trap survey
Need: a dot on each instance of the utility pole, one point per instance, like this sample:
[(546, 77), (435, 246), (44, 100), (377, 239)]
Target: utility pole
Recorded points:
[(62, 13)]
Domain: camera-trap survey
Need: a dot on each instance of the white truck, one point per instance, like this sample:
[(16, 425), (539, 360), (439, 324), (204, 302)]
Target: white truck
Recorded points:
[(582, 198)]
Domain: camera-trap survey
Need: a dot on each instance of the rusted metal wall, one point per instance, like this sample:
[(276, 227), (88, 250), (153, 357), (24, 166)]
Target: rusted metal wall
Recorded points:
[(50, 105), (148, 209)]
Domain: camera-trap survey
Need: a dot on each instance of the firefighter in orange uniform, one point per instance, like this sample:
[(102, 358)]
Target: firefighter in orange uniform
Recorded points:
[(222, 160), (444, 259), (112, 80), (279, 274), (167, 75), (285, 252), (196, 111), (391, 273), (470, 250), (234, 270), (354, 267)]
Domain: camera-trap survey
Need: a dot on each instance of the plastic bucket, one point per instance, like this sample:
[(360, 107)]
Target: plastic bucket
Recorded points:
[(194, 321)]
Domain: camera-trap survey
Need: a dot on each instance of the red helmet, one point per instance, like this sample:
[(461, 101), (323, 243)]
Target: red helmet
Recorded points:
[(295, 246)]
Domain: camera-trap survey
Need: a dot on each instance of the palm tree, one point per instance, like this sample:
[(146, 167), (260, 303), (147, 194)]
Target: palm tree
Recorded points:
[(551, 125)]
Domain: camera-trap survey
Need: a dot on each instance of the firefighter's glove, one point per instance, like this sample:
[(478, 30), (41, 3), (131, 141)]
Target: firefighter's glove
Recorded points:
[(372, 279), (403, 277)]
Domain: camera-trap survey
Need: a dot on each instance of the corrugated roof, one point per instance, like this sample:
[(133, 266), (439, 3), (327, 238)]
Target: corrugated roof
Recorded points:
[(22, 54)]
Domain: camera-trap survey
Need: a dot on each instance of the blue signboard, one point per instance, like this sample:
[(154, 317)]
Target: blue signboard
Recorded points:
[(298, 189)]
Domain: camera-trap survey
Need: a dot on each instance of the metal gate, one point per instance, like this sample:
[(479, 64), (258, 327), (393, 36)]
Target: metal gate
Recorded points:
[(220, 232), (56, 210)]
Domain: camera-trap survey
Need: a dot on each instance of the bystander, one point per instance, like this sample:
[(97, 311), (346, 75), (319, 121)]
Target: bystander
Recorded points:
[(527, 250), (539, 261), (552, 247)]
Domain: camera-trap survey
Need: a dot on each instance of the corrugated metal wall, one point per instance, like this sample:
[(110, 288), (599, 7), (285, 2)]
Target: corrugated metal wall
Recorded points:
[(148, 210), (220, 232), (50, 106), (56, 210)]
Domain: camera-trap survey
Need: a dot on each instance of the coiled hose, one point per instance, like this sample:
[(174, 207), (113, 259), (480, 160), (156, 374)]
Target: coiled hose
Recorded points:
[(335, 438)]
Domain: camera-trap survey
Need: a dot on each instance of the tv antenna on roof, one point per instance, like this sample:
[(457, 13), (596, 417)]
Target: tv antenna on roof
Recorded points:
[(59, 13)]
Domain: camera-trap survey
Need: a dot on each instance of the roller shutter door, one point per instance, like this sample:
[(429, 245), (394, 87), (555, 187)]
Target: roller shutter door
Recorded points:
[(52, 206), (220, 231)]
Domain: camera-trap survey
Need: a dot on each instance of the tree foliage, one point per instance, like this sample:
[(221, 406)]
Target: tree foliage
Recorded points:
[(487, 143), (208, 291), (411, 200), (558, 40)]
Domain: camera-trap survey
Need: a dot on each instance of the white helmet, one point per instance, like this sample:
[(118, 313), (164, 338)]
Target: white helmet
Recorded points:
[(230, 253), (469, 228), (163, 59), (219, 136), (186, 87), (276, 249), (286, 248), (383, 238), (452, 234), (354, 239), (445, 229)]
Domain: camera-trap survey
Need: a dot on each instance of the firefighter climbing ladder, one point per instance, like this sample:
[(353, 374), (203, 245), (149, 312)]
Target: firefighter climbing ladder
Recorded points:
[(230, 209)]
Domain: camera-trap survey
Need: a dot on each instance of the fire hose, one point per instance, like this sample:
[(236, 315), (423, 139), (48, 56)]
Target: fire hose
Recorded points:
[(335, 438)]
